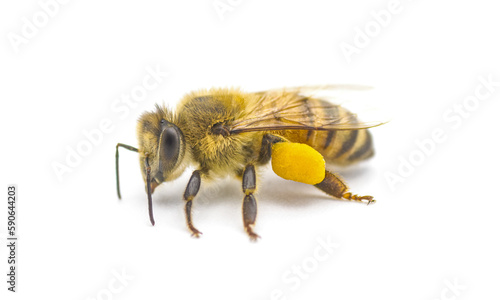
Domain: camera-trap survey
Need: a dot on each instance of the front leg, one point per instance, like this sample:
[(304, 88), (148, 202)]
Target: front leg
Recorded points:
[(191, 190), (249, 203)]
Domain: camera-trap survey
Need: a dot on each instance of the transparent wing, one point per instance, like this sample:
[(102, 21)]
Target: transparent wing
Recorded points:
[(291, 109), (311, 89)]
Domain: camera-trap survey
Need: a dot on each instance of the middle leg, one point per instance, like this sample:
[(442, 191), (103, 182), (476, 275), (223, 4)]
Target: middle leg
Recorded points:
[(249, 185)]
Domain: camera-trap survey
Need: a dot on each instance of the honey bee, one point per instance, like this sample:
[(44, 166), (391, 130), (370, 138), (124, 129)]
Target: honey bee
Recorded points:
[(223, 132)]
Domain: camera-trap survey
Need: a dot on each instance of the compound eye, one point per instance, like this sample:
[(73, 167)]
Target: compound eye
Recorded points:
[(171, 144)]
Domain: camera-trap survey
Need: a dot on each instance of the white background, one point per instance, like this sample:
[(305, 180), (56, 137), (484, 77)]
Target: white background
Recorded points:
[(436, 229)]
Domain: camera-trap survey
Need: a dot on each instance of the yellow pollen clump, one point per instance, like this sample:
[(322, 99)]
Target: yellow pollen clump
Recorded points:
[(298, 162)]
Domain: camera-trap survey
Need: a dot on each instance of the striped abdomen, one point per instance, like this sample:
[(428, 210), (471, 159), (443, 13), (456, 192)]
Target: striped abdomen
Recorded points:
[(341, 147)]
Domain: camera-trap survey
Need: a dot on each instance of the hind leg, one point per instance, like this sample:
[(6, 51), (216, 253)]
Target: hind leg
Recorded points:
[(302, 163), (334, 186)]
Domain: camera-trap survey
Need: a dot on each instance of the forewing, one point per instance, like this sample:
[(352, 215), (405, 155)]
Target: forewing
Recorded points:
[(291, 110)]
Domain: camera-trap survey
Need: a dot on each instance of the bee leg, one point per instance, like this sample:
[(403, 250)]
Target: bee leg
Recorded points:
[(334, 186), (249, 202), (191, 190)]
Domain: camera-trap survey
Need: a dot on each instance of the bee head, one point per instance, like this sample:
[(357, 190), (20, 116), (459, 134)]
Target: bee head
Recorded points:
[(162, 142)]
